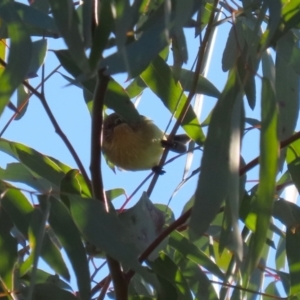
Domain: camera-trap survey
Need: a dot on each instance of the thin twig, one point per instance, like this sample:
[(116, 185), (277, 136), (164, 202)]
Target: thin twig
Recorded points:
[(57, 128), (192, 92), (20, 108)]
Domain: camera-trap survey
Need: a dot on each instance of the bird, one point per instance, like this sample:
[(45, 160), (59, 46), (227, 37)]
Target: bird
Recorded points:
[(137, 145)]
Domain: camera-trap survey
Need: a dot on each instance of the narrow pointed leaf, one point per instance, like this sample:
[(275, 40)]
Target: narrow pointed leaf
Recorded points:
[(158, 76), (293, 258), (40, 164), (67, 22), (263, 202), (135, 57), (167, 269), (66, 231), (215, 165), (20, 42), (89, 214), (190, 251), (8, 249)]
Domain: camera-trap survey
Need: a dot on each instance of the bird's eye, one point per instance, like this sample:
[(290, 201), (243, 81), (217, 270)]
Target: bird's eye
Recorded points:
[(119, 121)]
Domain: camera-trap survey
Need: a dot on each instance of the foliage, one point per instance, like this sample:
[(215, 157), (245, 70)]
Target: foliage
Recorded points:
[(225, 233)]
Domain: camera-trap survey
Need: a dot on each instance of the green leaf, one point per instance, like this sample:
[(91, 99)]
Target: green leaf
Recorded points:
[(17, 206), (104, 230), (36, 233), (290, 14), (22, 99), (136, 87), (42, 23), (114, 193), (20, 42), (143, 222), (123, 20), (67, 22), (43, 277), (179, 51), (68, 235), (116, 97), (17, 172), (40, 164), (215, 165), (191, 252), (247, 77), (136, 56), (53, 257), (70, 185), (287, 89), (287, 213), (101, 33), (204, 86), (271, 289), (42, 5), (49, 291), (8, 249), (158, 76), (87, 13), (39, 50), (280, 257), (167, 269), (293, 258), (235, 42), (197, 280), (274, 7), (263, 201)]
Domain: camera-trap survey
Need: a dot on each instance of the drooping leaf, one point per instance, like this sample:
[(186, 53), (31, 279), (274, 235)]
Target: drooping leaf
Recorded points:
[(292, 245), (20, 42), (116, 97), (67, 22), (204, 86), (287, 90), (263, 201), (87, 21), (42, 5), (190, 251), (234, 46), (143, 222), (43, 277), (198, 281), (167, 269), (135, 57), (289, 18), (215, 166), (101, 33), (39, 50), (49, 291), (17, 172), (158, 76), (274, 8), (90, 214), (66, 231), (288, 213), (42, 165), (8, 249), (37, 17), (22, 99)]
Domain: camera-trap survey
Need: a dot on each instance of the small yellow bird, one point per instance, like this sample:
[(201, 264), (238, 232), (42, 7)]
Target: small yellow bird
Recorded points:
[(137, 146)]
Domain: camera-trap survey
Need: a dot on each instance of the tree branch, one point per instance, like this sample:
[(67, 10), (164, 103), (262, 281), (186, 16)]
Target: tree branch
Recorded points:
[(119, 282)]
